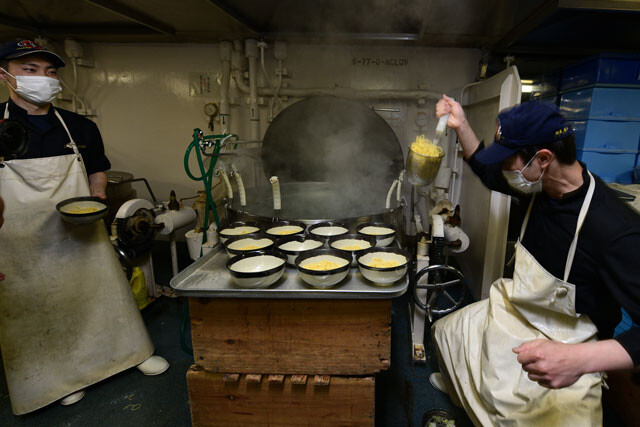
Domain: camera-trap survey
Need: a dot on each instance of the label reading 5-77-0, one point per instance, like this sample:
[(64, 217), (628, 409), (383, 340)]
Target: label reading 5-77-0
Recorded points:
[(380, 62)]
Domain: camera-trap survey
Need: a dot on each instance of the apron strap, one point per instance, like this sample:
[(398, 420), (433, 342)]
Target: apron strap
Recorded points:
[(581, 217), (526, 219), (71, 143)]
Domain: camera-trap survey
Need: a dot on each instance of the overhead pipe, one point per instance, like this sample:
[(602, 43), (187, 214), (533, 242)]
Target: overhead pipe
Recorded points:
[(345, 92)]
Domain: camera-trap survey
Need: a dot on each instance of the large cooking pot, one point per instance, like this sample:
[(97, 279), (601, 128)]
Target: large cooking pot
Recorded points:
[(335, 159)]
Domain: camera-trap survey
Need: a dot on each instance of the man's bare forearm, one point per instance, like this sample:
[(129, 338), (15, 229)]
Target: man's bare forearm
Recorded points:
[(98, 184)]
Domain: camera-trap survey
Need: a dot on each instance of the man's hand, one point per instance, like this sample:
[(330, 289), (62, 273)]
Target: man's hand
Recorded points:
[(449, 106), (551, 364), (458, 121)]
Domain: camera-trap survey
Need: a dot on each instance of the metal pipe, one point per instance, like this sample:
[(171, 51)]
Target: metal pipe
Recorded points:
[(226, 48), (174, 255), (251, 51), (354, 93)]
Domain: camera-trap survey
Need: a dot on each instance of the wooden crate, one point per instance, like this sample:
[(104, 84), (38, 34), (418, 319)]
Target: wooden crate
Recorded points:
[(345, 401), (333, 337)]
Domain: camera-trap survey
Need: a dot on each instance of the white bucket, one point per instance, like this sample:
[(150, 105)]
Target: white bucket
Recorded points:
[(212, 235), (194, 243)]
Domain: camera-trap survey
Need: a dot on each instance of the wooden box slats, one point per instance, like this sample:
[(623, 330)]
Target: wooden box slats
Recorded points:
[(325, 337), (345, 401)]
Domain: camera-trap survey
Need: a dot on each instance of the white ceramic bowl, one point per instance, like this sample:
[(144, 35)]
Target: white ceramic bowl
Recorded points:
[(242, 244), (235, 229), (383, 275), (352, 243), (328, 229), (82, 210), (324, 278), (281, 229), (293, 246), (384, 234), (257, 270)]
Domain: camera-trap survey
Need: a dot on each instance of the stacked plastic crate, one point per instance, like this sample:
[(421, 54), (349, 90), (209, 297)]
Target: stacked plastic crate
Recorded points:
[(600, 97)]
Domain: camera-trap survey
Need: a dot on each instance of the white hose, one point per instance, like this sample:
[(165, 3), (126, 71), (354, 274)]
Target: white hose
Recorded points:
[(227, 183), (399, 193), (241, 192), (390, 193), (275, 185)]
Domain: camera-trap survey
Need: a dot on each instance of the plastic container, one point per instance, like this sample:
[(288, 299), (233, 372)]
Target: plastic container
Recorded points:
[(607, 135), (547, 85), (606, 68), (625, 324), (611, 167), (602, 103), (139, 287), (554, 99)]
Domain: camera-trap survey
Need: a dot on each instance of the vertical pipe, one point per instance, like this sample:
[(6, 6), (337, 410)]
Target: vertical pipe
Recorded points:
[(251, 51), (225, 112), (174, 255)]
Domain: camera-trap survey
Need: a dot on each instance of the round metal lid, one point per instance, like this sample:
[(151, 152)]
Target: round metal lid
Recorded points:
[(331, 139)]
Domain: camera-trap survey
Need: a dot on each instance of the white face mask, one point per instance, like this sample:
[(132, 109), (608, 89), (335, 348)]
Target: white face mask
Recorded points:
[(518, 182), (38, 90)]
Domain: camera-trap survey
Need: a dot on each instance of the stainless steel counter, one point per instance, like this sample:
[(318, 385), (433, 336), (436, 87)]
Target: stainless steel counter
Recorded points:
[(208, 277)]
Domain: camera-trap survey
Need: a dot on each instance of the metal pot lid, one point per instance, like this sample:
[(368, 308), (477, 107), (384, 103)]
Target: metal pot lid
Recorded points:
[(331, 139), (116, 177)]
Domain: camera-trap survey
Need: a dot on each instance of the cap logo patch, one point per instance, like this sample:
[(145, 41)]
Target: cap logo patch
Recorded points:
[(28, 44), (561, 131)]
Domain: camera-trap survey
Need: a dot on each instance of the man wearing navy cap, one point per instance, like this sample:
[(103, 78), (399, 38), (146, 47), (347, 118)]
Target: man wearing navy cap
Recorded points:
[(533, 352), (68, 318), (30, 73)]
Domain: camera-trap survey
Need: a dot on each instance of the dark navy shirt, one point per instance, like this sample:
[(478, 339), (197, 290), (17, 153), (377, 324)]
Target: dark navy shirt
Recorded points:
[(606, 266), (47, 137)]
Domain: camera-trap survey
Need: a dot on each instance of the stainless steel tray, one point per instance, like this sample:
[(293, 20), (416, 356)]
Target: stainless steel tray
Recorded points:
[(208, 277)]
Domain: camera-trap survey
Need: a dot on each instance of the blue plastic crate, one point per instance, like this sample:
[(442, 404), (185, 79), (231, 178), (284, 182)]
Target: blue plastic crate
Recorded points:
[(607, 135), (601, 103), (611, 167), (554, 99), (547, 84), (625, 324), (606, 68)]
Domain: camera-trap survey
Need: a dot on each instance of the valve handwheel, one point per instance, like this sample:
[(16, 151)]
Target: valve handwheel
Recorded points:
[(445, 287)]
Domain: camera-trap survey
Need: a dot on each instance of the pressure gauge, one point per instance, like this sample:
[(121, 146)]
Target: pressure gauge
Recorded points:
[(211, 109)]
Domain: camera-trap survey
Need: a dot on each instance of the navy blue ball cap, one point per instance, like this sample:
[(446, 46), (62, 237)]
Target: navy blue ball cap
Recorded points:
[(528, 124), (12, 50)]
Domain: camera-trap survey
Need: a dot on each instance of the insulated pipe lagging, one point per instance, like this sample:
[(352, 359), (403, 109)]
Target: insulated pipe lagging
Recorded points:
[(399, 193), (390, 193), (241, 191), (275, 186), (227, 183)]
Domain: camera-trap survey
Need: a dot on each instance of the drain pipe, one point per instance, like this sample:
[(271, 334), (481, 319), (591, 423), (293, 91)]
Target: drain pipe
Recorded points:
[(251, 51), (226, 48)]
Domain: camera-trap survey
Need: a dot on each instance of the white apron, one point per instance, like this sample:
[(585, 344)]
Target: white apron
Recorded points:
[(68, 318), (475, 347)]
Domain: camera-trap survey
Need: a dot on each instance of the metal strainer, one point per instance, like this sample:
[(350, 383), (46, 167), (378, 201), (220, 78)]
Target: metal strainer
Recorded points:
[(421, 169)]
